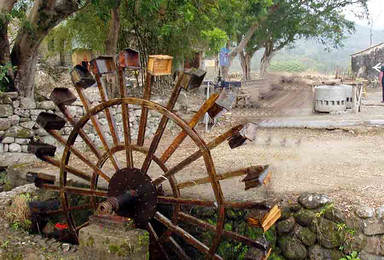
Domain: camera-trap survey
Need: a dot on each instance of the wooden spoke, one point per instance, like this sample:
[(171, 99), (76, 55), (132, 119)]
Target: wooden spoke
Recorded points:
[(155, 239), (144, 110), (81, 191), (184, 235), (96, 125), (82, 134), (108, 114), (82, 225), (70, 169), (126, 124), (61, 140), (163, 123), (177, 249), (227, 234), (190, 202), (208, 203), (192, 123), (220, 177), (213, 144)]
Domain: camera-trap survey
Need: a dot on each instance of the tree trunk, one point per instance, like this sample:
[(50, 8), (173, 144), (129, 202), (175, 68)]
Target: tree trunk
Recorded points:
[(245, 62), (43, 16), (243, 43), (266, 59), (111, 47), (5, 58)]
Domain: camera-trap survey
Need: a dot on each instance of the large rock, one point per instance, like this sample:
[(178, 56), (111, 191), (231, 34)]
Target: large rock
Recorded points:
[(14, 148), (313, 200), (292, 248), (11, 95), (6, 110), (22, 112), (285, 226), (19, 132), (304, 217), (99, 242), (367, 256), (28, 124), (27, 103), (365, 212), (327, 233), (318, 253), (306, 236), (44, 83), (7, 159), (374, 227), (335, 215), (5, 123), (356, 243), (47, 105), (15, 119)]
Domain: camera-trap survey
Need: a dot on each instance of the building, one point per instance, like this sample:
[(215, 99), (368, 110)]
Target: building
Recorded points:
[(364, 61)]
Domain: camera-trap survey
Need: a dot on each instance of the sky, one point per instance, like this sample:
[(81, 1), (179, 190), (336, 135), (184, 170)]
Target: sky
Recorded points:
[(376, 8)]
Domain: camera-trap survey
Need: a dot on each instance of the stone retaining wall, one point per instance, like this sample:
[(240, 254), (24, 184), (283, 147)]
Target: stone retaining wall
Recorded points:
[(18, 125), (314, 228)]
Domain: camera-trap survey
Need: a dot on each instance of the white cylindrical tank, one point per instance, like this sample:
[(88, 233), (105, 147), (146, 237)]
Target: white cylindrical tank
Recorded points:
[(349, 96), (330, 98)]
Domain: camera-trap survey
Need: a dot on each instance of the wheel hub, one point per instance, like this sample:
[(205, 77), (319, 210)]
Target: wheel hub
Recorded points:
[(133, 195)]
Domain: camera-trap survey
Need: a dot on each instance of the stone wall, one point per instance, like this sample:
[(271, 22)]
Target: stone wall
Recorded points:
[(18, 125), (314, 228)]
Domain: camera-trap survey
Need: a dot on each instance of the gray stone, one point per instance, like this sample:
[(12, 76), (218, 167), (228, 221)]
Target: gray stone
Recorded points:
[(11, 95), (16, 103), (20, 132), (373, 245), (367, 256), (48, 140), (285, 226), (22, 140), (113, 243), (313, 200), (365, 212), (7, 159), (24, 148), (8, 140), (22, 112), (27, 103), (305, 235), (380, 212), (14, 148), (28, 124), (36, 112), (316, 252), (335, 215), (6, 110), (1, 148), (33, 117), (304, 217), (292, 248), (355, 243), (15, 119), (5, 149), (41, 132), (374, 227), (327, 233), (2, 133), (5, 100), (5, 123), (47, 105)]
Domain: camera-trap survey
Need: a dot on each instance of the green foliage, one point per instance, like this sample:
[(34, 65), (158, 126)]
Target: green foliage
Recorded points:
[(352, 256), (4, 76), (215, 38)]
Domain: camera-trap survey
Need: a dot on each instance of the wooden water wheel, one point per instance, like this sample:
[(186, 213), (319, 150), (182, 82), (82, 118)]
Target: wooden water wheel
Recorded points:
[(129, 190)]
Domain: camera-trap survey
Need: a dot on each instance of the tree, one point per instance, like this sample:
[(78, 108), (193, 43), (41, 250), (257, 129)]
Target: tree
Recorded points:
[(240, 20), (294, 19), (37, 20)]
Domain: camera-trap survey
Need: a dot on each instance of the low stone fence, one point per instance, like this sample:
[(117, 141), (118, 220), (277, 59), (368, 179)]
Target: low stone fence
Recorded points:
[(18, 126), (314, 228)]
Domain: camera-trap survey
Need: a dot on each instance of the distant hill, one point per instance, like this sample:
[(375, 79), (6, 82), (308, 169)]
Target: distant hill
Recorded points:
[(312, 56)]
